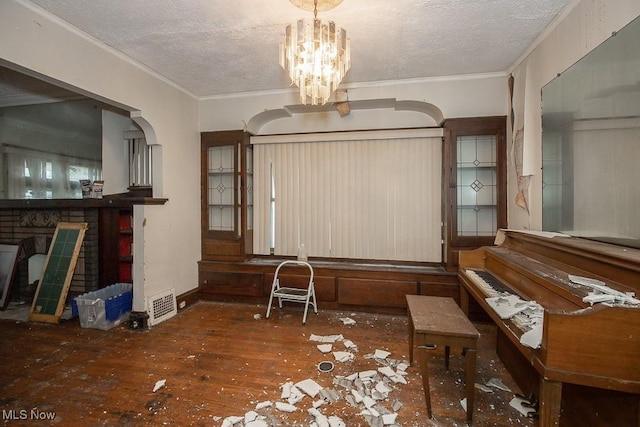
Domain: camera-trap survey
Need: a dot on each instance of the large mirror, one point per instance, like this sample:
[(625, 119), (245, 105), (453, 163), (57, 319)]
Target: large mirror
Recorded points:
[(591, 144), (50, 139), (48, 148)]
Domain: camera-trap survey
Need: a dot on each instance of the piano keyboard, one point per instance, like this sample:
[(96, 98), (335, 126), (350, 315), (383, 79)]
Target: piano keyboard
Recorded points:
[(492, 287), (488, 283)]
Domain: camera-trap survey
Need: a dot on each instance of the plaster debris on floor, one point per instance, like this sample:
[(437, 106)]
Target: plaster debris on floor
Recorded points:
[(159, 384), (367, 392), (328, 397), (497, 383), (347, 321), (325, 348)]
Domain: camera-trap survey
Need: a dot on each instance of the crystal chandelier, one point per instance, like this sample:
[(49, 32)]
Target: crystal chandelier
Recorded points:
[(316, 56)]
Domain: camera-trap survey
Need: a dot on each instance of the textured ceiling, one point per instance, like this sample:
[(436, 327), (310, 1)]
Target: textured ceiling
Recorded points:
[(215, 47)]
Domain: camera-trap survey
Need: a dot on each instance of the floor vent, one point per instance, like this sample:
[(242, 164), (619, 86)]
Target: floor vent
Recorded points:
[(162, 306)]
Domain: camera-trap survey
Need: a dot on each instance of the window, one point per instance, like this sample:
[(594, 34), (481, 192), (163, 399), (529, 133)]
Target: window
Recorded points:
[(140, 159), (357, 195)]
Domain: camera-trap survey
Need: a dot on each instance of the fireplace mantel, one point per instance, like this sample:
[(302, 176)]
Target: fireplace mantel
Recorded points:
[(111, 201)]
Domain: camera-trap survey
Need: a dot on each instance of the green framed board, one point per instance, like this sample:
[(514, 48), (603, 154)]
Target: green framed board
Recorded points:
[(49, 299)]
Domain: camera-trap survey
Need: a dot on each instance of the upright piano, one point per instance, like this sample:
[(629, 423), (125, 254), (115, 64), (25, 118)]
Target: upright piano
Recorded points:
[(594, 345)]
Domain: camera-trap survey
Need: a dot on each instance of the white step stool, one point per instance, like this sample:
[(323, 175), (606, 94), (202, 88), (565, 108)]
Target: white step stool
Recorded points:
[(304, 296)]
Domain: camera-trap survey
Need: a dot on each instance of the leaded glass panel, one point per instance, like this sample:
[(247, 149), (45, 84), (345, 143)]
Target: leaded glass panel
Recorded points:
[(221, 188), (477, 186)]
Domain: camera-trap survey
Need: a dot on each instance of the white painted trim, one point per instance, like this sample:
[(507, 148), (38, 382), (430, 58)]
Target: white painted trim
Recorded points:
[(357, 85), (133, 134)]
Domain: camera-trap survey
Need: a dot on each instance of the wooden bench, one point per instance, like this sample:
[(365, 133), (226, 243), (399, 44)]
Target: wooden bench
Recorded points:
[(437, 321)]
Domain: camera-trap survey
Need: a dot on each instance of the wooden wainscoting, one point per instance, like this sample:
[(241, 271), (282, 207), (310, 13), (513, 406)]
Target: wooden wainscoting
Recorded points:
[(377, 288)]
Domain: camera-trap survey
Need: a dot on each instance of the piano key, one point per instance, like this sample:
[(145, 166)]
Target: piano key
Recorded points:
[(488, 283)]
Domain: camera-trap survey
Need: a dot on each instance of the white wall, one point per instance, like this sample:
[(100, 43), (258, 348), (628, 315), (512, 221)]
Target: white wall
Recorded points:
[(587, 24), (462, 96), (43, 46)]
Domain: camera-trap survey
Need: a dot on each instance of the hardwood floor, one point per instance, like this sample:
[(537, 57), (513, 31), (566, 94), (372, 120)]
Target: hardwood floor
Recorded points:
[(221, 360)]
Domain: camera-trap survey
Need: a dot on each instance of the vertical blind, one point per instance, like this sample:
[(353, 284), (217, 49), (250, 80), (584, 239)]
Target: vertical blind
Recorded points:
[(364, 195)]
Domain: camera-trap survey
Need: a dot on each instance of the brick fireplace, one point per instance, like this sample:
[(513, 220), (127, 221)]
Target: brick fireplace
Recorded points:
[(34, 228)]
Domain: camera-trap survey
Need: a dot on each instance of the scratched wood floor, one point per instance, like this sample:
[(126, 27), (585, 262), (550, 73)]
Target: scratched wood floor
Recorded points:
[(220, 360)]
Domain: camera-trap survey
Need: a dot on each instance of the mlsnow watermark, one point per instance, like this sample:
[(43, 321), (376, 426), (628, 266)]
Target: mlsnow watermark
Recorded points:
[(27, 414)]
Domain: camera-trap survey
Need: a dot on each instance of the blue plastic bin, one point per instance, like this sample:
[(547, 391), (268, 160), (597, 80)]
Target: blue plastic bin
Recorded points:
[(105, 308)]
